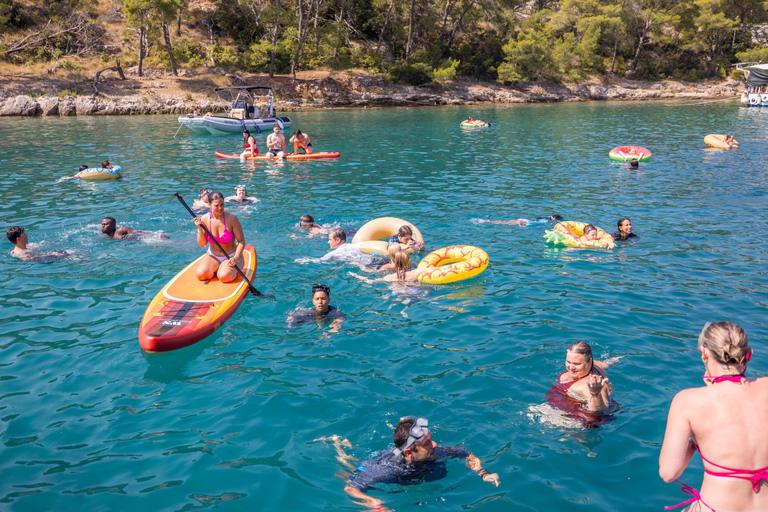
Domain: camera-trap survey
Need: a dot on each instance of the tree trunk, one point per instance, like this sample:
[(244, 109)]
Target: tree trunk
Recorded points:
[(409, 44), (458, 23), (167, 37), (142, 37), (384, 27), (178, 24), (338, 34), (274, 40), (317, 34), (541, 5), (613, 59), (640, 44), (211, 39), (445, 19)]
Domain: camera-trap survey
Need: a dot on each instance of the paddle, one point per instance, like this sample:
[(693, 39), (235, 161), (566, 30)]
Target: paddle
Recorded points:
[(250, 285)]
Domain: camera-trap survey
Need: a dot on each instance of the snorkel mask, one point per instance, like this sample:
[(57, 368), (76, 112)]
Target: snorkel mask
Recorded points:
[(419, 429)]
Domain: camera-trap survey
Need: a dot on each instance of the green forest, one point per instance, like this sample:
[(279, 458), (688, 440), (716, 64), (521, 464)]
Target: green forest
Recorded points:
[(415, 42)]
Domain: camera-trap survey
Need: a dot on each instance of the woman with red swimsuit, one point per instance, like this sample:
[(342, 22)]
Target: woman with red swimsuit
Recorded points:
[(226, 230), (726, 420)]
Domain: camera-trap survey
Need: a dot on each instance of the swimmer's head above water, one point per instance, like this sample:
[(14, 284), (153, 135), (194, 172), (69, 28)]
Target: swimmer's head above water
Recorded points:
[(590, 231), (306, 221), (634, 163), (336, 238), (14, 234), (321, 297), (108, 226)]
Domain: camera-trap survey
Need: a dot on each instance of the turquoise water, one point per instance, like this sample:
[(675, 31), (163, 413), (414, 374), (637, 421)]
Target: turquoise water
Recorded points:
[(87, 420)]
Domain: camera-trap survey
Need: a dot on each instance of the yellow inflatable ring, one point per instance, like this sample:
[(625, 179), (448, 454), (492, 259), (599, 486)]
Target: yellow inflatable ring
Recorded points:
[(572, 230), (454, 263), (370, 234)]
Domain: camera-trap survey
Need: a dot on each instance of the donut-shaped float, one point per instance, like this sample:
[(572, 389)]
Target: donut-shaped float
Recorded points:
[(714, 140), (453, 263), (100, 173), (369, 236), (479, 124), (628, 153)]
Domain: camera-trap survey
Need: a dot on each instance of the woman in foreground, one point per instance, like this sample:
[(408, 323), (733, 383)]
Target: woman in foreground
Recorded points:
[(726, 422), (226, 230)]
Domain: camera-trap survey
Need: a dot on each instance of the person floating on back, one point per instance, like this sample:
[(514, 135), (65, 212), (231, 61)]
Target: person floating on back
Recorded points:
[(523, 222), (415, 458)]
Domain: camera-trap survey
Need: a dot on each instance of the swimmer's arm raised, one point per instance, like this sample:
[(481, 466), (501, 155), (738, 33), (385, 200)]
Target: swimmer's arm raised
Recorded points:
[(474, 464), (677, 449)]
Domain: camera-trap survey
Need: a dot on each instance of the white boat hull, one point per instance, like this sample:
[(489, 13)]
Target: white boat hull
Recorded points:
[(225, 125), (754, 99)]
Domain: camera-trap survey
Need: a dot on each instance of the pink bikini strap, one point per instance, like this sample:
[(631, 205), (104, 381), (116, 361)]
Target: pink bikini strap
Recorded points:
[(696, 496)]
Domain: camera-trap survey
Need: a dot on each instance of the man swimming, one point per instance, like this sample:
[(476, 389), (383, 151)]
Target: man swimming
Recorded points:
[(19, 238), (109, 228)]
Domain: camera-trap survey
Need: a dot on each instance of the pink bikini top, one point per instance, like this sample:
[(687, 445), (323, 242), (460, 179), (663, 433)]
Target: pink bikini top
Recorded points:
[(225, 237)]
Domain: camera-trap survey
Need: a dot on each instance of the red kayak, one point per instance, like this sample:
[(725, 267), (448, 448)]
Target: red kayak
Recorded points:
[(322, 154)]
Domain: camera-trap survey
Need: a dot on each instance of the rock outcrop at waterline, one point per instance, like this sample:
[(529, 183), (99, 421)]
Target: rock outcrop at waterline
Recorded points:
[(351, 90)]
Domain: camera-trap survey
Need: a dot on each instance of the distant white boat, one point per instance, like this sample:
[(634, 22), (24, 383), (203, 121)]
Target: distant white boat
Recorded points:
[(756, 93), (244, 115)]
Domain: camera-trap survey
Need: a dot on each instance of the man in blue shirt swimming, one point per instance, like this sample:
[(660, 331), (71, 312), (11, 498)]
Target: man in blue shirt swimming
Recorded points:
[(415, 458)]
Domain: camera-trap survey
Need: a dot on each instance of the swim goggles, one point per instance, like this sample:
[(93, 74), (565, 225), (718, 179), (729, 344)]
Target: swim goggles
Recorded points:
[(321, 288), (207, 191), (419, 429)]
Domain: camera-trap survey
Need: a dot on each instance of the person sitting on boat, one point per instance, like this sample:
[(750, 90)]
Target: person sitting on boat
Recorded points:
[(308, 222), (404, 238), (415, 458), (275, 141), (227, 231), (241, 196), (322, 311), (730, 142), (19, 238), (250, 146), (341, 250), (591, 237), (625, 230), (301, 140), (725, 422), (109, 228), (198, 111), (523, 222)]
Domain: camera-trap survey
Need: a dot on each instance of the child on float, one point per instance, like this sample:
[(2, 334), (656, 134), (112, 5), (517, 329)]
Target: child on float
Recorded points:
[(591, 237), (404, 238)]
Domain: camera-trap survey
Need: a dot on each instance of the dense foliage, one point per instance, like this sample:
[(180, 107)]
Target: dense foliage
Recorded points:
[(410, 41)]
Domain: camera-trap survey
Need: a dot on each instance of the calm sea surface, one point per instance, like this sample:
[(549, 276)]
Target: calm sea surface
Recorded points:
[(238, 421)]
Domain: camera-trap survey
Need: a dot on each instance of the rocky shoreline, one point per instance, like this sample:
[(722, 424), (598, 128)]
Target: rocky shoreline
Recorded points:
[(166, 95)]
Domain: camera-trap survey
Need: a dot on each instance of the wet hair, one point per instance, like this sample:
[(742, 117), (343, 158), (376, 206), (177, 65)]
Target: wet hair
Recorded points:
[(338, 234), (726, 341), (583, 348), (321, 288), (104, 164), (621, 221), (552, 218), (729, 136), (110, 219), (241, 186), (402, 262), (404, 231), (402, 431), (392, 250), (213, 196), (83, 167), (14, 233), (246, 133), (590, 227), (307, 218), (634, 163), (297, 132)]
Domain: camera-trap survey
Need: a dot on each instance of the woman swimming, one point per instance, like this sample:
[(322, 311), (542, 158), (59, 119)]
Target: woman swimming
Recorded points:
[(402, 263), (241, 196), (226, 230), (584, 378), (725, 420)]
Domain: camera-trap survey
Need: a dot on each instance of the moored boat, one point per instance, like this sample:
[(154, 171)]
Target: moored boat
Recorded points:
[(756, 86)]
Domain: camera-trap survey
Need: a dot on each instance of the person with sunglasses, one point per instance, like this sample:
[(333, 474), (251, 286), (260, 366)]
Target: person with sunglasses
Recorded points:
[(415, 458), (19, 238), (321, 310)]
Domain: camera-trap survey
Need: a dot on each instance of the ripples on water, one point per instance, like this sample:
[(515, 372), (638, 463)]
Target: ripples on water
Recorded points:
[(89, 420)]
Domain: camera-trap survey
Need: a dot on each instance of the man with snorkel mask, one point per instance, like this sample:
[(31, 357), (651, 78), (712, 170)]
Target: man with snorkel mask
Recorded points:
[(415, 458)]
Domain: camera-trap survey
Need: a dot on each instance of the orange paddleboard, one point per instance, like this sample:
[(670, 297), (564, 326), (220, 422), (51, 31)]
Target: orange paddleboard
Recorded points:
[(292, 156), (187, 310)]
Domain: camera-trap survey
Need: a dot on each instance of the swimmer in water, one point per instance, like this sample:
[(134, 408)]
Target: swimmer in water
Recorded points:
[(730, 142), (322, 311), (241, 196), (203, 202), (341, 250), (591, 237), (404, 238), (106, 164), (625, 230), (109, 228), (19, 238), (308, 222), (585, 379), (415, 458), (402, 263), (634, 163), (522, 222)]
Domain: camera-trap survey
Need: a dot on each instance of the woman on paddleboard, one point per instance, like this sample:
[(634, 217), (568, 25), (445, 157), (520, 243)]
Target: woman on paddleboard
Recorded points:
[(227, 231)]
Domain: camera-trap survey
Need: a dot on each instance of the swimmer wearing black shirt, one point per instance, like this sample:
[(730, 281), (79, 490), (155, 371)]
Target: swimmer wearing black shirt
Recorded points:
[(625, 231), (322, 311), (415, 458)]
